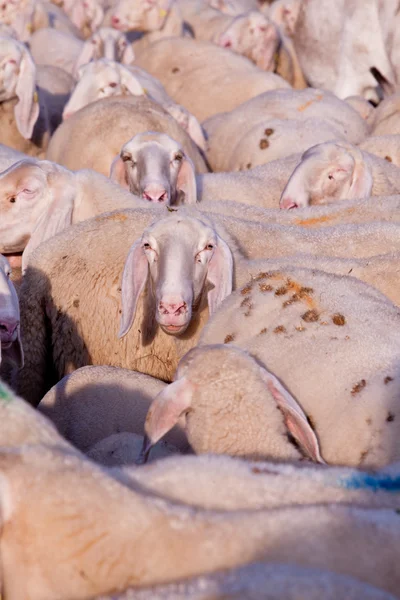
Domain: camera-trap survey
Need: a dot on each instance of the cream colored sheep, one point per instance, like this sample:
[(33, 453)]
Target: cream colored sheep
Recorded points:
[(251, 33), (49, 198), (92, 137), (28, 115), (387, 116), (332, 341), (338, 171), (94, 403), (206, 79), (171, 262), (384, 146), (261, 582), (262, 129), (98, 554), (92, 535)]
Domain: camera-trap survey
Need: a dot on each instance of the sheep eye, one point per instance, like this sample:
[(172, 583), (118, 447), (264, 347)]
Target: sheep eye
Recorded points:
[(112, 84), (209, 247), (146, 246), (126, 157), (12, 199), (178, 156), (330, 176)]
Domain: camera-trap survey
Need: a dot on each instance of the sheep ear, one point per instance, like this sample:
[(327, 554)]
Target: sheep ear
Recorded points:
[(133, 281), (220, 274), (27, 109), (165, 411), (131, 83), (361, 184), (56, 218), (294, 417), (14, 354), (118, 172), (196, 132), (128, 56), (85, 57), (186, 182)]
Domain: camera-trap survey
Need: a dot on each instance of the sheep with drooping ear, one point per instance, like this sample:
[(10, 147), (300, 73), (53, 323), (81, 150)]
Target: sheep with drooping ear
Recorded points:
[(156, 168), (107, 43), (338, 171)]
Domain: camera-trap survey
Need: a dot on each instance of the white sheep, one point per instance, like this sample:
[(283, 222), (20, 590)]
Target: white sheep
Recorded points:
[(38, 199), (331, 340), (338, 171), (116, 519), (156, 168), (187, 68), (10, 335), (95, 403), (77, 144), (26, 113), (105, 78), (158, 299), (384, 146), (89, 535), (259, 581)]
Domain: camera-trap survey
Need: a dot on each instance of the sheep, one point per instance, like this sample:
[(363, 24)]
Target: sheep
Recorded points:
[(27, 16), (157, 20), (384, 146), (87, 543), (10, 335), (87, 16), (258, 131), (105, 78), (386, 118), (282, 315), (171, 262), (124, 449), (221, 482), (337, 51), (155, 167), (251, 34), (25, 115), (338, 171), (191, 542), (38, 199), (95, 403), (93, 136), (260, 581), (55, 48), (185, 66), (365, 109)]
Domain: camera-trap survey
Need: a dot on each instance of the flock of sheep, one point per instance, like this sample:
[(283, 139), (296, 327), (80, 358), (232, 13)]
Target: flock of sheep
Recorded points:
[(200, 238)]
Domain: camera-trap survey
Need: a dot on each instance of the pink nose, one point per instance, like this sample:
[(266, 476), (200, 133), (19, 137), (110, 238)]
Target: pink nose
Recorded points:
[(7, 329), (175, 309), (287, 203), (155, 194), (115, 21)]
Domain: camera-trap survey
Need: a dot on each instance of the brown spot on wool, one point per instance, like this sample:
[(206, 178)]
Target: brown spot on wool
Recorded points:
[(246, 290), (281, 291), (269, 131), (368, 421), (292, 300), (390, 418), (315, 221), (387, 379), (388, 158), (175, 70), (265, 287), (264, 143), (299, 328), (76, 303), (248, 166), (229, 338), (363, 456), (280, 329), (112, 217), (263, 330), (338, 319), (246, 302), (264, 470), (358, 387), (317, 98), (311, 316)]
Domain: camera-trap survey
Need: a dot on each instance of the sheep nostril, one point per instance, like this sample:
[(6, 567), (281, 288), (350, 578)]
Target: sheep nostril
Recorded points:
[(115, 21)]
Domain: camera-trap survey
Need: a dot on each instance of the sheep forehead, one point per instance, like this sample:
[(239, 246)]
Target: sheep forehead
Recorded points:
[(108, 32), (201, 361), (328, 152), (161, 139), (181, 229)]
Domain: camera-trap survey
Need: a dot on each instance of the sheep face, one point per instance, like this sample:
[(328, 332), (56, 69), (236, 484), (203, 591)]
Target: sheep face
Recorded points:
[(179, 255), (155, 167), (327, 172), (140, 15)]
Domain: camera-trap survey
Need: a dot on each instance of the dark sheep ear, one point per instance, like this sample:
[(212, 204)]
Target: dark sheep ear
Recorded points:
[(386, 86)]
